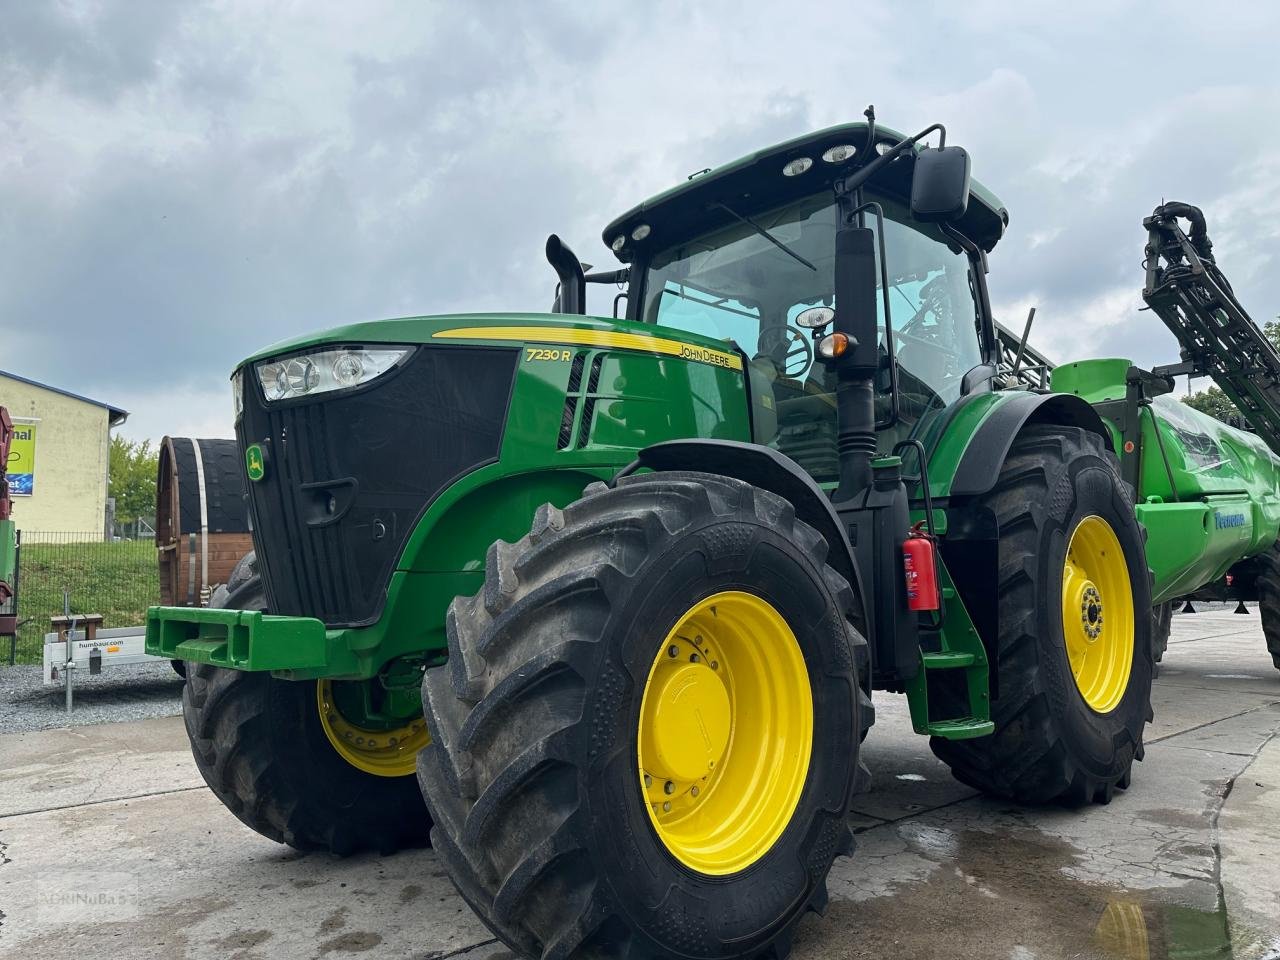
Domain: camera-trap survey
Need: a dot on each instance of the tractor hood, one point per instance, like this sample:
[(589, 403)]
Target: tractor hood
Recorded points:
[(342, 469), (507, 328)]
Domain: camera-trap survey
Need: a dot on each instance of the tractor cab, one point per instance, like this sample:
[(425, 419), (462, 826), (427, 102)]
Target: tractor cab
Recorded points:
[(747, 254)]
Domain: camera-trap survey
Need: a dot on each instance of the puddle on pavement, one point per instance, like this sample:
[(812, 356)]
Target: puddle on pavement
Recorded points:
[(1006, 896)]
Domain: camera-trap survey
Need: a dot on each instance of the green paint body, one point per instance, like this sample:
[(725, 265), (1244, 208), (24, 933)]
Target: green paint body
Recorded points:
[(1221, 506), (1208, 494), (641, 398), (1208, 500)]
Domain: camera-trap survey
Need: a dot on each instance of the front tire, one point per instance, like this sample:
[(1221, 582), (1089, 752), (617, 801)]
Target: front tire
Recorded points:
[(264, 749), (1074, 648), (565, 806)]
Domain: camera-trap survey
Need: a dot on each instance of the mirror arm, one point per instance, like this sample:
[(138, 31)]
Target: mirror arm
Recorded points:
[(609, 276), (861, 176), (975, 252)]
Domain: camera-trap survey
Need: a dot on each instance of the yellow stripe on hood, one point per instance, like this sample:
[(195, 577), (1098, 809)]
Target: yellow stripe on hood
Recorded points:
[(597, 338)]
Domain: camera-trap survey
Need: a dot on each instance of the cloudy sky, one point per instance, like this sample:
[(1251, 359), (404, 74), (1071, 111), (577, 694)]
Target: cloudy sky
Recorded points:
[(183, 183)]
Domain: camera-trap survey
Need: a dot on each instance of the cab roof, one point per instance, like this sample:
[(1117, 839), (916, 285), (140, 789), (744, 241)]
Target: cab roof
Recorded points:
[(755, 182)]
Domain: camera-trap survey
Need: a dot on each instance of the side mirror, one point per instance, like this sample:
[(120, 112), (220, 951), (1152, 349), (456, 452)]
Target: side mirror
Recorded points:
[(940, 184)]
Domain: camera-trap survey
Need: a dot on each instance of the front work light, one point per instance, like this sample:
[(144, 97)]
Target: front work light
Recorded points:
[(325, 370), (839, 153), (815, 318), (793, 168)]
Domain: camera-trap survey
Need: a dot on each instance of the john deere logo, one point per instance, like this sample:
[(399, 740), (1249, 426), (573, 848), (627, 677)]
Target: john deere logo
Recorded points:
[(255, 464)]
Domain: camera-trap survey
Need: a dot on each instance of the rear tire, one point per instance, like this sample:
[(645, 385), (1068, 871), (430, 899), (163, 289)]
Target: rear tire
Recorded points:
[(1269, 600), (1050, 743), (1161, 627), (532, 775), (260, 746)]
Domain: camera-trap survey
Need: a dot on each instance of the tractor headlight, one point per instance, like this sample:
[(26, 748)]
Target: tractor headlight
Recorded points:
[(237, 392), (325, 370)]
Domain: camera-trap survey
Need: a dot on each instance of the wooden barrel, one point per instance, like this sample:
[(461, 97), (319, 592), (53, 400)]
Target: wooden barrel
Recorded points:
[(202, 519)]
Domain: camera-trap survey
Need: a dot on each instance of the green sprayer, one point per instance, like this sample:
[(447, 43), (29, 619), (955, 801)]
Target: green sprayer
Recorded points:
[(613, 595)]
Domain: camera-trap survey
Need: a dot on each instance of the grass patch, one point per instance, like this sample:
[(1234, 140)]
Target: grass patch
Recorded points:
[(118, 580)]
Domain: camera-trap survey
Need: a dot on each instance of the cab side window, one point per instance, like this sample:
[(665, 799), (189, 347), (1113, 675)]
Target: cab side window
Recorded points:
[(722, 318)]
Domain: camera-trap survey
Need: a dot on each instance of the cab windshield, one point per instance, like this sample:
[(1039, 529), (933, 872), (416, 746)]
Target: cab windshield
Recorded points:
[(736, 285)]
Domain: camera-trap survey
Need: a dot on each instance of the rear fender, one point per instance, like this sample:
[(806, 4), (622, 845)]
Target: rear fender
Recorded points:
[(964, 463), (986, 448)]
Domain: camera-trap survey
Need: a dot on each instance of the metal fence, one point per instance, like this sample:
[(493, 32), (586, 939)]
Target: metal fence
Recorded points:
[(115, 578)]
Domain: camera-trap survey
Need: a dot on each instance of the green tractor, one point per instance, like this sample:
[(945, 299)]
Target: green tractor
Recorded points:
[(613, 594)]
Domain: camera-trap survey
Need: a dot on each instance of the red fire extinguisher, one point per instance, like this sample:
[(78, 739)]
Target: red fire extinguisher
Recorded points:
[(920, 566)]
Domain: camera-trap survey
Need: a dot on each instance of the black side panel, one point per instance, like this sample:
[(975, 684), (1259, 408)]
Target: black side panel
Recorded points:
[(770, 470), (349, 474), (986, 453)]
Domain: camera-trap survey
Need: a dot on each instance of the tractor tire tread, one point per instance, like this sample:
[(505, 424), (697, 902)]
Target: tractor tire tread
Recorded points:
[(1268, 584), (1026, 759), (501, 774), (236, 721)]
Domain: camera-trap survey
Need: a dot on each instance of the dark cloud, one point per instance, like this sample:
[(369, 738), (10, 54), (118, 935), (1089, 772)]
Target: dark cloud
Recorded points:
[(95, 50)]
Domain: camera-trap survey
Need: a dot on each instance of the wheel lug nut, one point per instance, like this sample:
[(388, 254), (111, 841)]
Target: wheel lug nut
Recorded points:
[(694, 658), (669, 788), (648, 780), (673, 651), (694, 791), (715, 664), (666, 807), (697, 641)]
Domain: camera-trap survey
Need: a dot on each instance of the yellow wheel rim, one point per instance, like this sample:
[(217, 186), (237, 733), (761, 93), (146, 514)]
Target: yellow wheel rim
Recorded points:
[(1097, 614), (383, 753), (726, 732)]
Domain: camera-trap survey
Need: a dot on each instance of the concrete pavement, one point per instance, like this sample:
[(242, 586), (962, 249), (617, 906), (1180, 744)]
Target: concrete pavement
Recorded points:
[(111, 846)]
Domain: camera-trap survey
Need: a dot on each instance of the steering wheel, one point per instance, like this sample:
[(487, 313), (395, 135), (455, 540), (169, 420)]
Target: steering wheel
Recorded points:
[(788, 348)]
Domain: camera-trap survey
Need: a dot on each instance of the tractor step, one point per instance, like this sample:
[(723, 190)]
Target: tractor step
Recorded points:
[(949, 695), (948, 660), (963, 728)]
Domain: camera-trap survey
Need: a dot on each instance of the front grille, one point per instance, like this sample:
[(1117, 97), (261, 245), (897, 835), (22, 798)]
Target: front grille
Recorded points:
[(349, 474)]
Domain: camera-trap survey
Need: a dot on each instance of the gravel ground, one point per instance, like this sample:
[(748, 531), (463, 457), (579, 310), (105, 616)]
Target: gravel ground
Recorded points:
[(135, 692)]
